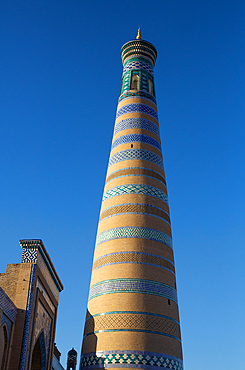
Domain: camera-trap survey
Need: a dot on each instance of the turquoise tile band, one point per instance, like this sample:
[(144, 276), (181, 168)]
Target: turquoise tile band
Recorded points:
[(133, 359), (134, 232), (135, 189)]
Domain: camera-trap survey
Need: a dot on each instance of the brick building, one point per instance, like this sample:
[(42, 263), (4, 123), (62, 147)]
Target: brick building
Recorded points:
[(29, 297)]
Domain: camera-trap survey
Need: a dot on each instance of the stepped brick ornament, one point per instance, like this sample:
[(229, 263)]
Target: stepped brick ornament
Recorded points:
[(132, 317)]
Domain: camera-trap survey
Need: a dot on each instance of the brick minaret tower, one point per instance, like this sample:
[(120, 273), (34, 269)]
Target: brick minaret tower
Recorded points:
[(71, 360), (132, 318)]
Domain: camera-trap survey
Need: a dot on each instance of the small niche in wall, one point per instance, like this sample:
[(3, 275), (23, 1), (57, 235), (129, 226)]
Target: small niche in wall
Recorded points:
[(150, 86), (135, 82)]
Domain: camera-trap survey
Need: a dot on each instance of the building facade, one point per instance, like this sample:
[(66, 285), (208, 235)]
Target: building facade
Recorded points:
[(29, 297), (132, 314)]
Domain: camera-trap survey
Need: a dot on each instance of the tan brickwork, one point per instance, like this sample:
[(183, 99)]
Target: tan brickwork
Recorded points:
[(134, 245), (133, 301), (29, 287)]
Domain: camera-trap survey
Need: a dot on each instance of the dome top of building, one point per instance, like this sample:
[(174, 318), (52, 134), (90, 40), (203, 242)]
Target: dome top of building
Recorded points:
[(138, 48), (72, 353)]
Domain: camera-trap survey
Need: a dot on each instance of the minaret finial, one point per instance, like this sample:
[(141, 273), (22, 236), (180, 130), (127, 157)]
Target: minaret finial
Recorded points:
[(139, 37)]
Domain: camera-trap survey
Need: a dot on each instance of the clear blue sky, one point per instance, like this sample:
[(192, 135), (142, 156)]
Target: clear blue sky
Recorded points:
[(60, 78)]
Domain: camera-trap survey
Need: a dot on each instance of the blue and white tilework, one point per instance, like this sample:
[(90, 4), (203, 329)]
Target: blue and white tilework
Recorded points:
[(134, 232), (7, 306), (135, 189), (138, 123), (27, 318), (141, 286), (137, 108), (136, 154), (132, 359), (43, 351), (137, 64), (29, 255), (8, 323), (136, 138)]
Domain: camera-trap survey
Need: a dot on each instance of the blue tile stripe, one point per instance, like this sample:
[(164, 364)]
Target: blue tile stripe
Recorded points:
[(137, 108), (135, 189), (136, 138), (141, 286), (130, 359), (138, 123), (138, 58), (7, 306), (27, 318), (134, 232), (136, 154), (137, 65)]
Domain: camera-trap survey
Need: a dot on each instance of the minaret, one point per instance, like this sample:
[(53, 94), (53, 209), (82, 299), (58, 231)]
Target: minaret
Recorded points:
[(71, 360), (132, 317)]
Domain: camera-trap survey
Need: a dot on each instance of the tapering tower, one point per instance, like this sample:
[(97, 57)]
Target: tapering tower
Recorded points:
[(132, 318)]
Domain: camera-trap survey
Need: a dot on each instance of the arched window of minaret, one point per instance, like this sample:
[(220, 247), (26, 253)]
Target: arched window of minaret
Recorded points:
[(135, 82), (150, 86)]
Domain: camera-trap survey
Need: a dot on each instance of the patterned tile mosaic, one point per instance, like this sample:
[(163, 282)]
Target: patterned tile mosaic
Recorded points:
[(135, 189), (8, 323), (138, 123), (131, 322), (136, 171), (136, 138), (137, 64), (138, 49), (137, 108), (29, 255), (27, 318), (133, 257), (43, 351), (136, 154), (134, 232), (132, 359), (141, 286), (138, 59), (33, 246), (7, 306)]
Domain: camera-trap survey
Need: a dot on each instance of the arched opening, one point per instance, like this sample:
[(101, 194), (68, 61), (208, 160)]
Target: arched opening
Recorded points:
[(38, 361), (3, 345), (135, 82), (150, 86)]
